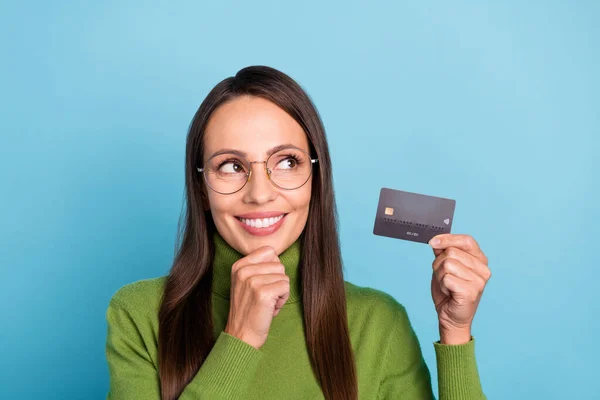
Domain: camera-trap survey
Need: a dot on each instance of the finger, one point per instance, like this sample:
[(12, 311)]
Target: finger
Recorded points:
[(454, 267), (453, 284), (246, 271), (465, 258), (260, 255), (258, 282), (463, 280), (461, 241), (461, 289), (280, 302), (276, 290)]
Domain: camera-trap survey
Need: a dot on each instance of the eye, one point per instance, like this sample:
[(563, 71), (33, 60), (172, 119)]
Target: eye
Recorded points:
[(231, 167), (290, 162)]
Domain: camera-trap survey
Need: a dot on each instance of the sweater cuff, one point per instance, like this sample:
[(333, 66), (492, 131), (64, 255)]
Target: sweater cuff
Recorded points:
[(229, 368), (457, 370)]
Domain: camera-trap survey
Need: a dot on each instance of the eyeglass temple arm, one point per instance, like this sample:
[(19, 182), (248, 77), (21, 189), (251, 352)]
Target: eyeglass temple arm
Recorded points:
[(312, 160)]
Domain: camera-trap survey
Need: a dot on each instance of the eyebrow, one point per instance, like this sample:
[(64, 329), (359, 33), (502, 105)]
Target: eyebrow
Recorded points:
[(243, 154)]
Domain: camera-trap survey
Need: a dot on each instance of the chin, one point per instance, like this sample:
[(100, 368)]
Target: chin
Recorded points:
[(247, 241)]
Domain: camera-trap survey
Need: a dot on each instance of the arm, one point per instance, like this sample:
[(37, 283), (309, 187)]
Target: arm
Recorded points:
[(406, 375), (458, 377), (225, 374)]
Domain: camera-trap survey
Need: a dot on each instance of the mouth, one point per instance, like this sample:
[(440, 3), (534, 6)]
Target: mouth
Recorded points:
[(262, 226), (261, 222)]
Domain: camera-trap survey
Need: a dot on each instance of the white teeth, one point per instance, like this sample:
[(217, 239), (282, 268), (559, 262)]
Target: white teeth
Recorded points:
[(261, 223)]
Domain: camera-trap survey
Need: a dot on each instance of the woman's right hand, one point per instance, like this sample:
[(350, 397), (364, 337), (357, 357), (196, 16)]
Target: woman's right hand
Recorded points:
[(259, 288)]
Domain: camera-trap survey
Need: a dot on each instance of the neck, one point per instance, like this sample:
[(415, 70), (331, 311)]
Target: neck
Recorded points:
[(226, 256)]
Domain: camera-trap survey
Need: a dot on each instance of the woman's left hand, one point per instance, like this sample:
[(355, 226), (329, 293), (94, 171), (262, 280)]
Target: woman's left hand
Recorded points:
[(460, 273)]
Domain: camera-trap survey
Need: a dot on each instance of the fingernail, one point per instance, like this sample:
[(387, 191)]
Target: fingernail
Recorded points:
[(434, 242)]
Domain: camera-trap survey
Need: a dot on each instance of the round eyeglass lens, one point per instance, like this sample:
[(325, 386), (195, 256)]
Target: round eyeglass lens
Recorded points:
[(288, 169)]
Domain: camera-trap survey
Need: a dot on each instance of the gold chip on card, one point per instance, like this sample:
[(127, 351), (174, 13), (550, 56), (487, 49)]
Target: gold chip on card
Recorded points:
[(389, 211)]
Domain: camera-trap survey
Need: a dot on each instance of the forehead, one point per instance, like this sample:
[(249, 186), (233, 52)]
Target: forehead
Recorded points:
[(253, 125)]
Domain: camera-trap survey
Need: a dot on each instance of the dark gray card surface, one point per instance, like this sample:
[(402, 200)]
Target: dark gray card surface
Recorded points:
[(412, 216)]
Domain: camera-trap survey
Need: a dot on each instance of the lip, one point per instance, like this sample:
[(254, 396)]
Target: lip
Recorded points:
[(261, 215), (262, 231)]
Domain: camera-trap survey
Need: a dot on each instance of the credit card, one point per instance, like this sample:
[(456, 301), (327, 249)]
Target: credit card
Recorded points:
[(412, 216)]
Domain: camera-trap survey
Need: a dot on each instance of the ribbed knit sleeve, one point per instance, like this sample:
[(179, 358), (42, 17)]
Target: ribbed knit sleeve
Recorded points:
[(227, 371), (458, 377), (406, 375), (225, 374)]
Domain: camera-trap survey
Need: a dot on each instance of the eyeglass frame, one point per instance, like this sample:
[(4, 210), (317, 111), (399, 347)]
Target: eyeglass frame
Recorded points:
[(267, 170)]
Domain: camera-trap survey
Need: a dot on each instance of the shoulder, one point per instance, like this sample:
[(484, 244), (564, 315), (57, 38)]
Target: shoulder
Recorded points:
[(142, 295), (364, 296), (377, 320), (376, 305)]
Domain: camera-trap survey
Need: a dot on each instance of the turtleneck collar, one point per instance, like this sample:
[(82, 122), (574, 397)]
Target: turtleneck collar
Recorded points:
[(226, 256)]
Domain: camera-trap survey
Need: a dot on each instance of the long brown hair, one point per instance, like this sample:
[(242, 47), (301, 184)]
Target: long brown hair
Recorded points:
[(185, 318)]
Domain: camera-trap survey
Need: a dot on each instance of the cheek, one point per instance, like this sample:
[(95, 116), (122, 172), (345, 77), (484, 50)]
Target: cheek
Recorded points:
[(301, 205), (301, 200), (220, 205)]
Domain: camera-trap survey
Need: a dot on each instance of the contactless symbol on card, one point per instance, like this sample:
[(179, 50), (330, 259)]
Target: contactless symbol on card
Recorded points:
[(412, 216)]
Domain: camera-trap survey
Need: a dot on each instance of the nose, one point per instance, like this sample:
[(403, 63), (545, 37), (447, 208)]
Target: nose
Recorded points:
[(260, 189)]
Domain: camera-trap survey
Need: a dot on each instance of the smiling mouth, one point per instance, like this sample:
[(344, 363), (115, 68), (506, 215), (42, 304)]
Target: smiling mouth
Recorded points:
[(261, 222)]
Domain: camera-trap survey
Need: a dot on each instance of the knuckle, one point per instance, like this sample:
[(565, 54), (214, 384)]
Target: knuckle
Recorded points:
[(470, 241), (446, 279), (240, 273), (451, 252), (488, 274), (441, 271), (264, 296), (450, 263), (235, 266), (253, 283), (284, 283)]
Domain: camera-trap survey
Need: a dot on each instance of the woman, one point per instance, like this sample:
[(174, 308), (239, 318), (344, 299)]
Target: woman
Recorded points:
[(255, 305)]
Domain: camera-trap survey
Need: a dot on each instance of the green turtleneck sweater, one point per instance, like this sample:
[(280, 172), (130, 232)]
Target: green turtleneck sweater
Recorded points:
[(388, 356)]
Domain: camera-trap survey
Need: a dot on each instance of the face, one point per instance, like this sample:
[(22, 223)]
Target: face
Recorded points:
[(253, 125)]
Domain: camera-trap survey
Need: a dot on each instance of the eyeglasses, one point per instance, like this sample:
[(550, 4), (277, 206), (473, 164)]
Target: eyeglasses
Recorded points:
[(287, 169)]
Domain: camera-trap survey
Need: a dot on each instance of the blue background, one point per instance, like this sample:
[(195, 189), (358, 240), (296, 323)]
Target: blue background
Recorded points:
[(494, 104)]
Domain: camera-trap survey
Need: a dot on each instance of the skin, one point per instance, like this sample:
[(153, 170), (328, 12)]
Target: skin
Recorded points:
[(460, 274), (259, 285), (255, 125)]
